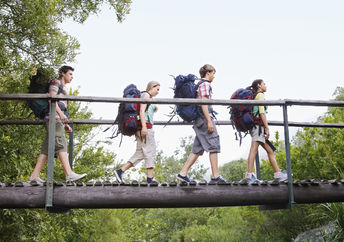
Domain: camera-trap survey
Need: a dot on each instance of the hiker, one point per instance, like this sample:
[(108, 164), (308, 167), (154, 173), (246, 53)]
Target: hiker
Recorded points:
[(260, 135), (145, 141), (207, 138), (65, 77)]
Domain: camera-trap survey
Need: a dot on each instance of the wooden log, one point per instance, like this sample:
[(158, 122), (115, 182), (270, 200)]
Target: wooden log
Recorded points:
[(168, 196)]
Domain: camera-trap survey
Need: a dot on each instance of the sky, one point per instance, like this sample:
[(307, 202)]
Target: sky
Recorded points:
[(295, 46)]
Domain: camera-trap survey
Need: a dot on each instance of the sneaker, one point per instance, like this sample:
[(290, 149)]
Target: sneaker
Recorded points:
[(152, 181), (118, 174), (37, 180), (74, 177), (281, 175), (183, 178), (251, 178), (218, 179)]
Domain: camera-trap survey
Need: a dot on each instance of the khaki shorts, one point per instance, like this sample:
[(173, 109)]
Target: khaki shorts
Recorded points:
[(145, 150), (205, 141), (60, 139), (254, 132)]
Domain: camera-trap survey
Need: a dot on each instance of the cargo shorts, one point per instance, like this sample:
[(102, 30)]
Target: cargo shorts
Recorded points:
[(205, 141), (60, 138)]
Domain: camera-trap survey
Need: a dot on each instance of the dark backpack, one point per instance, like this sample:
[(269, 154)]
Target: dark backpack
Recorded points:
[(127, 116), (185, 87), (39, 83), (241, 115)]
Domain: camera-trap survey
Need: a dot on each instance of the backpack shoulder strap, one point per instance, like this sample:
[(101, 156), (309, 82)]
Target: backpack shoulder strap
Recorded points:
[(146, 92), (200, 82)]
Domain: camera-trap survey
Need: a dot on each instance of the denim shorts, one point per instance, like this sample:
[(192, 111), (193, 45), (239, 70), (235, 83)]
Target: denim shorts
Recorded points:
[(205, 141)]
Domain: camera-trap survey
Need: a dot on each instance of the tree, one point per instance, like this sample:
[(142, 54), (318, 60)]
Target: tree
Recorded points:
[(234, 170), (30, 37)]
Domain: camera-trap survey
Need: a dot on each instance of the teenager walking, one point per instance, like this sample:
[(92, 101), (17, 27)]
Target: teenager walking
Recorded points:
[(145, 141), (57, 87), (260, 134), (207, 138)]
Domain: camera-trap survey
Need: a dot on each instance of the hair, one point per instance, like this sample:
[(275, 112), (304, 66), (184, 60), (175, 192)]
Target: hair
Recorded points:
[(152, 84), (64, 70), (254, 86), (205, 69)]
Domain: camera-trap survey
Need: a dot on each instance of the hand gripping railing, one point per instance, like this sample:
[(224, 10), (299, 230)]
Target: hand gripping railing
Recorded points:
[(54, 98)]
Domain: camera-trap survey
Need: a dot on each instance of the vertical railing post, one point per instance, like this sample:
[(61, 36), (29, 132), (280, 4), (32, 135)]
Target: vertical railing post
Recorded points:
[(288, 156), (71, 145), (257, 166), (51, 155)]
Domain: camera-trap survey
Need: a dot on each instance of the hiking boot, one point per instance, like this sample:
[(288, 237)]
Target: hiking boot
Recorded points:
[(218, 179), (118, 174), (36, 180), (281, 175), (183, 178), (251, 178), (74, 177)]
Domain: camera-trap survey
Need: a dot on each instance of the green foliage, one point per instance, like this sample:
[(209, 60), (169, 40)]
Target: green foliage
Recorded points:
[(234, 170), (30, 37), (334, 212)]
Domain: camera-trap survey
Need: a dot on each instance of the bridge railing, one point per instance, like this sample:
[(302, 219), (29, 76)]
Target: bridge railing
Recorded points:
[(224, 102)]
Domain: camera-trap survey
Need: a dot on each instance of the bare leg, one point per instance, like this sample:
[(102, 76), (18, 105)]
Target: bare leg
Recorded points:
[(42, 158), (126, 166), (271, 157), (63, 156), (214, 164), (150, 172), (252, 156), (189, 162)]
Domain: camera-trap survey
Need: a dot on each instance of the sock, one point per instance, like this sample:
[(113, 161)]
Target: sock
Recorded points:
[(248, 175), (149, 179), (120, 171)]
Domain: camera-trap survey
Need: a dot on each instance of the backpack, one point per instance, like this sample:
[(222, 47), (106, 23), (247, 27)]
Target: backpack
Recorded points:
[(184, 87), (39, 83), (241, 115), (127, 116)]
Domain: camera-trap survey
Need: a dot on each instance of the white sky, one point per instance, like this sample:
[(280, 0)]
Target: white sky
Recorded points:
[(295, 46)]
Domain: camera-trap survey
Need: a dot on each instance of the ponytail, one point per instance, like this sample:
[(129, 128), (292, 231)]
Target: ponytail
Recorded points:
[(254, 86)]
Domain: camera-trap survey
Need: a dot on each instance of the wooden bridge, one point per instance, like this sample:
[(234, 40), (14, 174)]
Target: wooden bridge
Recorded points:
[(170, 195), (196, 194)]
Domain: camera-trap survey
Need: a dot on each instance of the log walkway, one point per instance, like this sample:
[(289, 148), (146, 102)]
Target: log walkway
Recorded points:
[(169, 195)]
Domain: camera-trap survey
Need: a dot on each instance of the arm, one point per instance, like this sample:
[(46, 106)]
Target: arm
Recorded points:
[(207, 116), (265, 123), (53, 90), (262, 115), (142, 114)]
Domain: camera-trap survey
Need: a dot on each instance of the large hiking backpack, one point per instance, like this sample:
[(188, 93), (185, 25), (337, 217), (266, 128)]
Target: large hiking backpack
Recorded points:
[(185, 87), (241, 115), (127, 117), (39, 83)]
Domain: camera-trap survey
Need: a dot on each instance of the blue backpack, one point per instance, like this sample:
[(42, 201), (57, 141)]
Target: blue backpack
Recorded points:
[(185, 87)]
